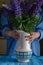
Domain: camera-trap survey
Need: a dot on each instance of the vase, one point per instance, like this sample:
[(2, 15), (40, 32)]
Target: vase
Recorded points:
[(23, 51)]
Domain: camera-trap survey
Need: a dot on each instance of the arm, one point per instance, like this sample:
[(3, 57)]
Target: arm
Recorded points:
[(39, 26), (4, 22), (6, 32), (39, 29)]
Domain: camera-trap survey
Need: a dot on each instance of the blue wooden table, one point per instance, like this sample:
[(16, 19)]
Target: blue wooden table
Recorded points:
[(10, 60)]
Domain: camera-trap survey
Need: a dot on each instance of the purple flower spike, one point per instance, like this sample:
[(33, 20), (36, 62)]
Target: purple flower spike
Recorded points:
[(16, 7)]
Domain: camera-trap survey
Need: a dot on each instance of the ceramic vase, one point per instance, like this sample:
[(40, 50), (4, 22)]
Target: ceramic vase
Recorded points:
[(23, 51)]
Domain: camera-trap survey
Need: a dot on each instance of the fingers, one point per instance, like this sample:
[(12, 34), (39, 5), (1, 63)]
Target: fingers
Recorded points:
[(16, 35), (29, 38)]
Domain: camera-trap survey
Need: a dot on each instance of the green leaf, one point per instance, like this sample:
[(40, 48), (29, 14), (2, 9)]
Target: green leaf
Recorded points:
[(24, 22)]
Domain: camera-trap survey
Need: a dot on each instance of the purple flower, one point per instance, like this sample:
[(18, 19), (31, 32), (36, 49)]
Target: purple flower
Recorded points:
[(16, 7), (25, 7), (32, 6)]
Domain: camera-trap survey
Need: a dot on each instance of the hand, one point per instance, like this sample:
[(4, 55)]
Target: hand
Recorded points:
[(33, 36), (13, 34)]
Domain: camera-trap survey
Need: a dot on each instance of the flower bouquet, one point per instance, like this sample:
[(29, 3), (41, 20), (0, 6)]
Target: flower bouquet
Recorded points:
[(23, 23)]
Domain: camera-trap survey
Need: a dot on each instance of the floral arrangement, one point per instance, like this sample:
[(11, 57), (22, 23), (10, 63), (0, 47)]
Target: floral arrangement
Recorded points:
[(26, 6), (24, 21)]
